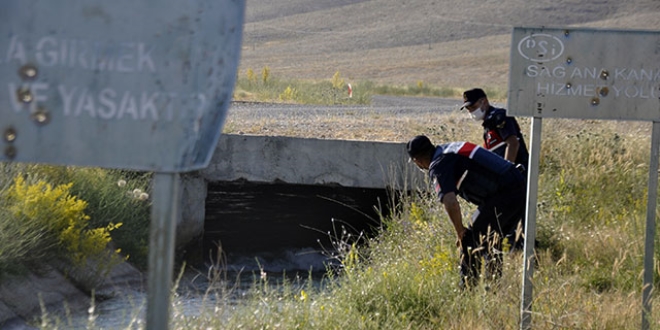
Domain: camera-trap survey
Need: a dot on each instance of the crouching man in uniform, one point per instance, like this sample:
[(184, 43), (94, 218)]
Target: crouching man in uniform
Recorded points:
[(482, 178)]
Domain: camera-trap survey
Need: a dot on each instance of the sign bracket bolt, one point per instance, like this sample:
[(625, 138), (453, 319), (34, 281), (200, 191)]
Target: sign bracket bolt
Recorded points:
[(604, 74), (10, 134), (24, 95), (27, 72)]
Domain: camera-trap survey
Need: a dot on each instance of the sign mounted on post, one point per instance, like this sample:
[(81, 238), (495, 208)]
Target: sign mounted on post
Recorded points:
[(130, 84), (141, 85), (585, 73)]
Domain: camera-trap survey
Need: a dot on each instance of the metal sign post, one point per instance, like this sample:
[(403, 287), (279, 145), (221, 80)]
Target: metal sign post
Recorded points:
[(650, 226), (585, 74), (161, 248), (530, 224), (130, 84)]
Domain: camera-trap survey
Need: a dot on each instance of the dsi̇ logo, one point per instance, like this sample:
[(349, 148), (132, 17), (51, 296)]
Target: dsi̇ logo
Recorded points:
[(540, 47)]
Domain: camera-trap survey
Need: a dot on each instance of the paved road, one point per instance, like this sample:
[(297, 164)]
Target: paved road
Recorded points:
[(379, 103), (415, 103)]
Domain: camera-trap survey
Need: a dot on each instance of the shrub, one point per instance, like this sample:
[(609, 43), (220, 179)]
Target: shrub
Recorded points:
[(265, 75), (62, 216), (24, 244), (112, 197), (249, 74), (337, 81), (271, 89), (289, 94)]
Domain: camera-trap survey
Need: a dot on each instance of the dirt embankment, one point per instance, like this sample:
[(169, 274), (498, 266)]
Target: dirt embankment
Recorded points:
[(21, 298)]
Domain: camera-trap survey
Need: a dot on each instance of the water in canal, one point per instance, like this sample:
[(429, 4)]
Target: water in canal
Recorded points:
[(280, 231), (200, 289)]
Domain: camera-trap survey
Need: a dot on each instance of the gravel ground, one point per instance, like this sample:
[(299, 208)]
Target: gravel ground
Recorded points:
[(391, 119), (387, 118)]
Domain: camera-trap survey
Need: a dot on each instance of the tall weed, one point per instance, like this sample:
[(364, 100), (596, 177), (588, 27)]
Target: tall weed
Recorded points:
[(54, 215), (114, 212), (114, 196), (591, 209)]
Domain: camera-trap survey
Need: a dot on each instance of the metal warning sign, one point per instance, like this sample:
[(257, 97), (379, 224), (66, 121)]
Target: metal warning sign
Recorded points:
[(120, 84), (585, 73)]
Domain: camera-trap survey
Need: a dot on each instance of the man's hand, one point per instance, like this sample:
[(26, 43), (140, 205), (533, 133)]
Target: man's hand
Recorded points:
[(512, 146), (459, 236), (453, 209)]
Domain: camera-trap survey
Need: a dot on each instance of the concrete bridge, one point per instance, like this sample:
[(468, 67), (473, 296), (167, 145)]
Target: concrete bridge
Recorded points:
[(261, 193)]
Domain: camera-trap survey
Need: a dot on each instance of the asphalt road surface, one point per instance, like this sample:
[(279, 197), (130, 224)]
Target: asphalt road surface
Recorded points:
[(379, 103)]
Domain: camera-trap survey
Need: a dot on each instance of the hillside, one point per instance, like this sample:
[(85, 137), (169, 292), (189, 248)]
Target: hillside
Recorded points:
[(439, 42)]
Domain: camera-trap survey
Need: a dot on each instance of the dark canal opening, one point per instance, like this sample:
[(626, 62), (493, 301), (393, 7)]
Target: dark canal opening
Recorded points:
[(287, 221)]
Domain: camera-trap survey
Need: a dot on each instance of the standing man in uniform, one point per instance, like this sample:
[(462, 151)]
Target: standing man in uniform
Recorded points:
[(482, 178), (502, 134)]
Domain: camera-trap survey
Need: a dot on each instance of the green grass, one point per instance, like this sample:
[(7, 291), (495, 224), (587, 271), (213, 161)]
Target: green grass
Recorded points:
[(29, 242), (592, 202), (334, 91), (591, 223), (270, 89)]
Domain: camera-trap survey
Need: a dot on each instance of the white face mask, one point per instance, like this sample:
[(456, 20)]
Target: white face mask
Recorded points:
[(478, 114)]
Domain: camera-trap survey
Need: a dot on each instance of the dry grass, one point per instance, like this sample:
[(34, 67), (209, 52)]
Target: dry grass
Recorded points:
[(443, 42)]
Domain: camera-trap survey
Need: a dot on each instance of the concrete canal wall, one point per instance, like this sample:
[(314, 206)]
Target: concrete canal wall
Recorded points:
[(241, 161)]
